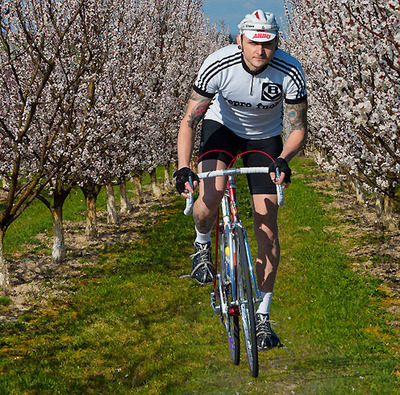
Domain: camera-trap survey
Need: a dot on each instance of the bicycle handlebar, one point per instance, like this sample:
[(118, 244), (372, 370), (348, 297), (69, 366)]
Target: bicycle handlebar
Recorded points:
[(232, 171)]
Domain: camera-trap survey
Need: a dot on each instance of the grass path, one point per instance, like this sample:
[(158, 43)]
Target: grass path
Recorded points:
[(133, 326)]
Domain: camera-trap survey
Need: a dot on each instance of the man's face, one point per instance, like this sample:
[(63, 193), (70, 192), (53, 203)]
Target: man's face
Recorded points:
[(257, 55)]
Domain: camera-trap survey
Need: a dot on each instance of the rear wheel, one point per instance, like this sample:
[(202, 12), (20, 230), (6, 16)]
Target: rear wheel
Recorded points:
[(229, 318), (247, 304)]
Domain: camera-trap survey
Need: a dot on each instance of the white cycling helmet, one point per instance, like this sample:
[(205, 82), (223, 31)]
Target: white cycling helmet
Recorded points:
[(259, 26)]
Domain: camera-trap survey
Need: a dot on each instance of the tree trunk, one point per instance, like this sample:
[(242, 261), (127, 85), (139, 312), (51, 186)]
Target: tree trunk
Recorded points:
[(356, 187), (4, 274), (60, 194), (385, 209), (112, 215), (126, 205), (91, 192), (91, 217), (154, 187), (167, 179), (59, 250), (137, 180)]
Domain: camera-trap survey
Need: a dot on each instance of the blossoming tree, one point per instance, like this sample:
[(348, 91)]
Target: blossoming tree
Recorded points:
[(161, 45), (37, 40), (92, 91), (350, 50)]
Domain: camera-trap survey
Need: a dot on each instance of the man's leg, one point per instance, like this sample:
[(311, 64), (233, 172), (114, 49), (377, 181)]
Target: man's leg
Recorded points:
[(265, 212), (211, 191), (205, 209)]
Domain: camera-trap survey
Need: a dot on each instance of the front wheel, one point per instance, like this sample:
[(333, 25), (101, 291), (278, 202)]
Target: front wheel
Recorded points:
[(229, 320), (247, 304)]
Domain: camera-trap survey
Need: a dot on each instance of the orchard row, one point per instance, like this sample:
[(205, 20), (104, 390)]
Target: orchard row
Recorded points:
[(91, 92), (350, 51)]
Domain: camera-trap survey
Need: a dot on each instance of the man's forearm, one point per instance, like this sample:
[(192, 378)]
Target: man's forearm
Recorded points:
[(297, 115), (185, 145), (197, 107), (294, 144)]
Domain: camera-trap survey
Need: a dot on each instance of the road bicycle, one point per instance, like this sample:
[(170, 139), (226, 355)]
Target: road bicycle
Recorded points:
[(235, 292)]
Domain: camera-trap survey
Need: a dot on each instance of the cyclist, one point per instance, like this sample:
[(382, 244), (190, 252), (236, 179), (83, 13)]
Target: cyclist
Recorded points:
[(239, 91)]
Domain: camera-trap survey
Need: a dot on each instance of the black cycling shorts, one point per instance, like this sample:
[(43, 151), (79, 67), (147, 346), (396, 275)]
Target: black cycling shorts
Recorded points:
[(215, 136)]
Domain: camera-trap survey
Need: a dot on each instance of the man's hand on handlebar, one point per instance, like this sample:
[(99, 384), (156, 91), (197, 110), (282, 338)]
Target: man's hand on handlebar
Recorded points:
[(182, 183), (284, 170)]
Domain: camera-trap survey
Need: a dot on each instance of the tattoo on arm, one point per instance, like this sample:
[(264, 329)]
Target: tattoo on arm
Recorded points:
[(297, 114), (199, 109)]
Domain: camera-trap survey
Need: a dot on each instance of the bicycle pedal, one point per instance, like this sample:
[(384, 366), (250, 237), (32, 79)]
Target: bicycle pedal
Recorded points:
[(281, 345)]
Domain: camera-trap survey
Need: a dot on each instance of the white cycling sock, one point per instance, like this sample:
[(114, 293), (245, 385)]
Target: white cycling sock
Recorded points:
[(203, 238), (264, 306)]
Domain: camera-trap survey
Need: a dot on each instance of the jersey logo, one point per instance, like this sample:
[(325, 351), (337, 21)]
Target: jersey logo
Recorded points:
[(271, 92)]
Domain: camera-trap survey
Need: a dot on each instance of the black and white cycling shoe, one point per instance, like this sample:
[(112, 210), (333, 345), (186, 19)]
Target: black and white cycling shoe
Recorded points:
[(202, 266), (266, 337)]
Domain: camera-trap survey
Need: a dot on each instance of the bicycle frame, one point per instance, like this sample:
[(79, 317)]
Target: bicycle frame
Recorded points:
[(231, 220)]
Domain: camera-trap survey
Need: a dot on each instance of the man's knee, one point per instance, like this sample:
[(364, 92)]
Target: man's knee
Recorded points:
[(212, 200), (205, 209)]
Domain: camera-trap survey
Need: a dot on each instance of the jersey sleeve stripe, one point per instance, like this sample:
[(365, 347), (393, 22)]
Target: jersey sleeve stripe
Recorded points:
[(290, 67), (294, 77), (214, 68), (203, 92), (296, 101), (216, 71), (294, 73)]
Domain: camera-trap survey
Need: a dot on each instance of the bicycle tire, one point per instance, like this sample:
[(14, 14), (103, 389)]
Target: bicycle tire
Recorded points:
[(247, 305), (230, 322)]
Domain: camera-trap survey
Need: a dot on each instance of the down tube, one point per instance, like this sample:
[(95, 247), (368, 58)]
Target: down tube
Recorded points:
[(251, 268), (232, 262)]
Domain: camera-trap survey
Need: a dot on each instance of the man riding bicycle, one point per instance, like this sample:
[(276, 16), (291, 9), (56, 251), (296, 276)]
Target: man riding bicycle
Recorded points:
[(239, 91)]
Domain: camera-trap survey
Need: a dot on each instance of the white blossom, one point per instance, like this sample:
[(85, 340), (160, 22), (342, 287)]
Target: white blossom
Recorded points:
[(350, 53)]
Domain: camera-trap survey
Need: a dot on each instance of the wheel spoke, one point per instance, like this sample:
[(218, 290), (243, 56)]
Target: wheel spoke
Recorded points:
[(247, 305), (230, 321)]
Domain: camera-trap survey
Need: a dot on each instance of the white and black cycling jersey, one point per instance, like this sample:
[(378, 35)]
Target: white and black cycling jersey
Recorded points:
[(249, 103)]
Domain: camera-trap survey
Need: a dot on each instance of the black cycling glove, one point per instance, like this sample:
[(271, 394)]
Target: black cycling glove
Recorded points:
[(283, 168), (182, 177)]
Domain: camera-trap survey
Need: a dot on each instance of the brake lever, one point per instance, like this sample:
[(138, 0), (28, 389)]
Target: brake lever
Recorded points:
[(279, 189), (189, 200)]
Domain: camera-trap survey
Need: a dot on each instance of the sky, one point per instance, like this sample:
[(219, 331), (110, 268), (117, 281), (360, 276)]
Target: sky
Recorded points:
[(233, 11)]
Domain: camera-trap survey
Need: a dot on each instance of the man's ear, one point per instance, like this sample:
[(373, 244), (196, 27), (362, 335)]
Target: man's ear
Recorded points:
[(239, 41)]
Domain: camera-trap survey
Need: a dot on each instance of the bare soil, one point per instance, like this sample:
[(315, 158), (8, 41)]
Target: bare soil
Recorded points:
[(35, 278)]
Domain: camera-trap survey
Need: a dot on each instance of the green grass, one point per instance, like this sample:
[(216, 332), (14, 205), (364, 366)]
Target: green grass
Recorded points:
[(134, 326), (37, 218)]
